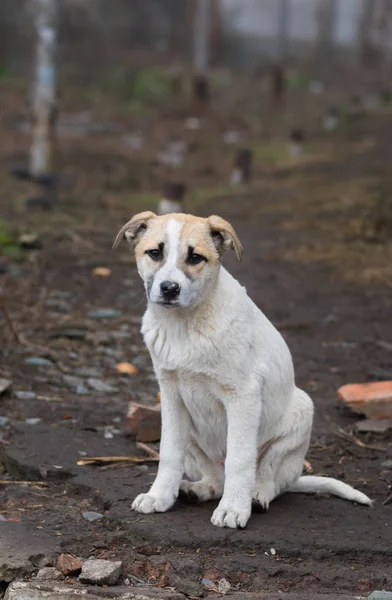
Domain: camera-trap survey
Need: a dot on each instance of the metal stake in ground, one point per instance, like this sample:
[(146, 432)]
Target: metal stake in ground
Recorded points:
[(172, 198), (242, 167), (44, 90)]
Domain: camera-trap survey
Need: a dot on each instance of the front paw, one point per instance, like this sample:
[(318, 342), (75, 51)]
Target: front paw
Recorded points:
[(149, 503), (235, 518)]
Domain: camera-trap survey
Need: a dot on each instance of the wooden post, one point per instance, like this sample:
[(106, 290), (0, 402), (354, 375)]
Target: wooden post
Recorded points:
[(172, 198), (282, 41), (326, 33), (242, 167), (365, 26), (296, 141), (44, 90), (201, 39), (201, 53)]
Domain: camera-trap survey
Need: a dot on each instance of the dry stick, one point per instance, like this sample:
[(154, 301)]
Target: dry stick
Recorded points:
[(32, 483), (104, 460), (17, 336), (354, 440), (388, 500), (150, 451)]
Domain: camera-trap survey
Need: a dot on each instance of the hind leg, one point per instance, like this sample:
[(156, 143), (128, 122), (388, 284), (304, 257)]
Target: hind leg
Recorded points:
[(281, 463), (206, 479)]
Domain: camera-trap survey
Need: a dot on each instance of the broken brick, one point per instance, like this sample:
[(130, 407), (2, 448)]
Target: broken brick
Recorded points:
[(145, 422), (371, 399), (68, 565)]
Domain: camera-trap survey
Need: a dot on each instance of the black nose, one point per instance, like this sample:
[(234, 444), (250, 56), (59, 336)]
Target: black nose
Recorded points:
[(170, 289)]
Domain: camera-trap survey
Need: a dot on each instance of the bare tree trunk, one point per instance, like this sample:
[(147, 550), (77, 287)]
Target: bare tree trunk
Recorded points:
[(44, 89), (326, 33), (282, 41), (365, 25), (201, 40)]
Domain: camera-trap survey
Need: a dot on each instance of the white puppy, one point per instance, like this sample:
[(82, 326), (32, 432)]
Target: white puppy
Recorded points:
[(233, 421)]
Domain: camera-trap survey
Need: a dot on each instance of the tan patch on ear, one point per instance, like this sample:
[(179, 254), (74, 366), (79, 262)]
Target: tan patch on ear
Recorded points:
[(230, 240), (130, 230)]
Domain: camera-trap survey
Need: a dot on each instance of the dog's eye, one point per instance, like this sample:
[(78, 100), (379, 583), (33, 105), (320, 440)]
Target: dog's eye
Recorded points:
[(195, 259), (154, 254)]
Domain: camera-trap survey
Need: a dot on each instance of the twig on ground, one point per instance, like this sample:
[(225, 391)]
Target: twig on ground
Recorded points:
[(388, 500), (78, 240), (17, 336), (105, 460), (350, 437), (150, 451), (30, 483)]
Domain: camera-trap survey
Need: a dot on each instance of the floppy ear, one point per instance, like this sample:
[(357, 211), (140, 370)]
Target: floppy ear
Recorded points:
[(135, 226), (225, 238)]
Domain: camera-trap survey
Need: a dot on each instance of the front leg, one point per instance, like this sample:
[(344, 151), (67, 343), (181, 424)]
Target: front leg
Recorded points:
[(174, 440), (243, 421)]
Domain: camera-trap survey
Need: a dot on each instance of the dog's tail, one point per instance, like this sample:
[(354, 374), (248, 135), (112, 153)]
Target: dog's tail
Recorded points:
[(309, 484)]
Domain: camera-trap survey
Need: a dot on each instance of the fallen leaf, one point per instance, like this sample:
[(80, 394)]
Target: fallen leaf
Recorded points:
[(102, 272), (126, 368)]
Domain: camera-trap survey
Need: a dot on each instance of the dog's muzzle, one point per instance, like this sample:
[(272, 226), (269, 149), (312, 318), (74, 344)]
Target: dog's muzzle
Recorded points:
[(170, 290)]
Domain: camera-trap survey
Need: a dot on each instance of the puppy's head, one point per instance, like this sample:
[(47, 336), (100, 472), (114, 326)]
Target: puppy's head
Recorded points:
[(178, 256)]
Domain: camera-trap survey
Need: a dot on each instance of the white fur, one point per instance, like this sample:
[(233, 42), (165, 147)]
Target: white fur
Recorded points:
[(233, 419)]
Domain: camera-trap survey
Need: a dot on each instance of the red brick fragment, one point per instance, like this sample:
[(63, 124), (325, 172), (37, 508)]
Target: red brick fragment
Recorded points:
[(68, 565), (145, 422), (371, 399)]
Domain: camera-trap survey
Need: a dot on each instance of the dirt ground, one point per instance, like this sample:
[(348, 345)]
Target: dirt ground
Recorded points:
[(317, 262)]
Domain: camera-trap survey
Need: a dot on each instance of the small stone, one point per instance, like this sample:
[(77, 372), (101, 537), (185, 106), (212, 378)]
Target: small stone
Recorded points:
[(145, 422), (374, 425), (100, 386), (33, 421), (387, 464), (88, 372), (223, 586), (71, 333), (30, 241), (273, 551), (104, 313), (68, 564), (25, 395), (58, 305), (38, 361), (61, 294), (141, 468), (101, 572), (4, 384), (192, 123), (50, 574), (73, 381), (92, 516), (81, 390)]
